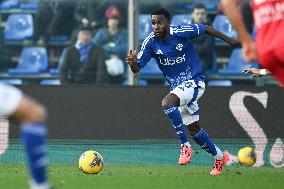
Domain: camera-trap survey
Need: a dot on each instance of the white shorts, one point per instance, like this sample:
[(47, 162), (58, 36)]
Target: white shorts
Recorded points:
[(10, 98), (189, 92)]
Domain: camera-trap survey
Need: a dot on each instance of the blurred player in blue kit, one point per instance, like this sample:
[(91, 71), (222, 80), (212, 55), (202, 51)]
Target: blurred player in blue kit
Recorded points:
[(32, 117), (177, 59)]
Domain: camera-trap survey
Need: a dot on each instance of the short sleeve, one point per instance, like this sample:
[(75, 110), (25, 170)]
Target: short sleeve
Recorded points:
[(189, 31), (146, 52)]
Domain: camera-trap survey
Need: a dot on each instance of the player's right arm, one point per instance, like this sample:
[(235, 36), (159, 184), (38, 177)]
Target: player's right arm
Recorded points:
[(131, 60), (138, 61)]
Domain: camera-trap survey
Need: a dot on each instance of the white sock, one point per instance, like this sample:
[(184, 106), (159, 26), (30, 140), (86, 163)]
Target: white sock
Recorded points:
[(187, 144), (34, 185), (219, 155)]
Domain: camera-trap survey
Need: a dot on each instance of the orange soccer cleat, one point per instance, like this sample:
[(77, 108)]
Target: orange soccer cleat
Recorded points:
[(217, 168), (185, 155)]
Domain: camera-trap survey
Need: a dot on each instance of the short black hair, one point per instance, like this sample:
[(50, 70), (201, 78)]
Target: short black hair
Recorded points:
[(199, 6), (162, 11)]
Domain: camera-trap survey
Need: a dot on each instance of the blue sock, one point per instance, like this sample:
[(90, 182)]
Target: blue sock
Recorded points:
[(203, 140), (33, 137), (175, 117)]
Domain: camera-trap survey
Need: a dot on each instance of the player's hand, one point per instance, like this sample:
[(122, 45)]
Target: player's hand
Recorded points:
[(249, 50), (131, 61), (131, 57), (255, 72)]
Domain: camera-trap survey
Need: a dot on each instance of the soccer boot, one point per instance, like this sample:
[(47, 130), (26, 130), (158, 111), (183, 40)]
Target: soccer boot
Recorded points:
[(185, 155), (217, 168)]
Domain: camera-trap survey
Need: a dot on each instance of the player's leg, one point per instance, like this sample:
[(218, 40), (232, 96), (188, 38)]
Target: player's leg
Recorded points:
[(170, 106), (199, 135), (191, 120), (31, 115), (33, 133)]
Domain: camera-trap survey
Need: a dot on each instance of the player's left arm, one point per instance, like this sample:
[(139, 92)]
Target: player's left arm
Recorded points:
[(215, 33)]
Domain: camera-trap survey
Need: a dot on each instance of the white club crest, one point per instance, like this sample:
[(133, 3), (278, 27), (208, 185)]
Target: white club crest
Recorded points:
[(179, 47)]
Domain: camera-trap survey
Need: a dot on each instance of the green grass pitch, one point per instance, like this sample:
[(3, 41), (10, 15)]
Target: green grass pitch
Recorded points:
[(68, 176), (138, 164)]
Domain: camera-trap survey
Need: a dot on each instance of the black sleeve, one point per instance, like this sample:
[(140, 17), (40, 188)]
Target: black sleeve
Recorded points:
[(101, 74), (94, 70), (64, 70), (70, 64)]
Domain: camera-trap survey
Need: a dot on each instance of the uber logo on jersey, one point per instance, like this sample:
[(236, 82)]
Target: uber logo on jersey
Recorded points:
[(179, 47), (168, 62)]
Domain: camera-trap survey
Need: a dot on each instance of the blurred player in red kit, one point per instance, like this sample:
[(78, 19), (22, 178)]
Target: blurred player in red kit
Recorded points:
[(269, 22)]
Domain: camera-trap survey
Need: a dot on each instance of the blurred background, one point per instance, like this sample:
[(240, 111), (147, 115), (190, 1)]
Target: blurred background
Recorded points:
[(70, 55), (54, 42)]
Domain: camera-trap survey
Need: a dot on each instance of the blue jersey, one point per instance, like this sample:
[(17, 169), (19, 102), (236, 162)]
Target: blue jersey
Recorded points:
[(175, 56)]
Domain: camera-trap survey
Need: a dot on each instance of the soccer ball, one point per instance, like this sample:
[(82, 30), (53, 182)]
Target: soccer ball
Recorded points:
[(247, 156), (91, 162)]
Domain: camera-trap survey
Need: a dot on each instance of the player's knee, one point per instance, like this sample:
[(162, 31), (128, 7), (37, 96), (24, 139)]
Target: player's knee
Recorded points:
[(165, 103), (193, 127), (40, 113), (170, 100), (37, 113), (30, 111)]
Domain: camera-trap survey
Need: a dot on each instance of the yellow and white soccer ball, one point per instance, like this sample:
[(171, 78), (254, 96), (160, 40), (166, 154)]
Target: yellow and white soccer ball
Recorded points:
[(247, 156), (91, 162)]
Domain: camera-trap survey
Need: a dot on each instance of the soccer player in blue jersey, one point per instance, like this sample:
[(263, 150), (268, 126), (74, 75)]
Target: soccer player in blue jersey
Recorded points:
[(31, 115), (177, 59)]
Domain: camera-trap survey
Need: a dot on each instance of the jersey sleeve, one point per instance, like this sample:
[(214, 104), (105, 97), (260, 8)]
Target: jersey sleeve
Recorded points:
[(146, 52), (189, 31)]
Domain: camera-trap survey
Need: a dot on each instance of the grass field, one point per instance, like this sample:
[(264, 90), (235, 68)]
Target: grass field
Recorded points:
[(67, 176), (137, 164)]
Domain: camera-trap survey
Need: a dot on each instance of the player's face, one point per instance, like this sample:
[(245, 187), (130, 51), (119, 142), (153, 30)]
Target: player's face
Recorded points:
[(160, 26)]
